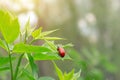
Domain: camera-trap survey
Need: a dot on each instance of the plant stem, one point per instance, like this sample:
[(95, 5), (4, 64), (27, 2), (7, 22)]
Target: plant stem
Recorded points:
[(10, 60), (11, 68), (18, 65), (20, 58)]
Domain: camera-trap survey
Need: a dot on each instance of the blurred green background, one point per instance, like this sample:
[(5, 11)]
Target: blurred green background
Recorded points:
[(92, 26)]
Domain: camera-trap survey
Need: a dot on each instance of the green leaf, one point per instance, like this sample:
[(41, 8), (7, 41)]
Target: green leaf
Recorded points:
[(36, 33), (2, 44), (51, 44), (25, 48), (28, 74), (52, 38), (9, 26), (27, 25), (76, 75), (47, 32), (28, 29), (68, 45), (46, 78), (33, 66), (59, 72), (4, 60), (69, 75), (4, 68), (48, 56)]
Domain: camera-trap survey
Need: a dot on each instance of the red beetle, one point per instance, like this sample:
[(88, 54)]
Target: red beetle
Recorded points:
[(61, 51)]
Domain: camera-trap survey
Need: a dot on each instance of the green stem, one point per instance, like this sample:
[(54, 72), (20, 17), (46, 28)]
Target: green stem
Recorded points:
[(18, 65), (10, 60), (11, 68), (20, 58)]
